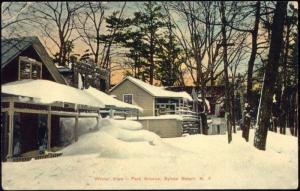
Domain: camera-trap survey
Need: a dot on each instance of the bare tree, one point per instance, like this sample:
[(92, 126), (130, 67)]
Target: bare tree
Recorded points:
[(236, 56), (254, 36), (195, 45), (228, 105), (14, 19), (56, 21), (89, 26), (203, 40), (13, 13)]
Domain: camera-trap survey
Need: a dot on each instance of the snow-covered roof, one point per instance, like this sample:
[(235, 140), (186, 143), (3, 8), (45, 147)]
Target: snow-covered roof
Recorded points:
[(154, 90), (45, 91), (109, 100)]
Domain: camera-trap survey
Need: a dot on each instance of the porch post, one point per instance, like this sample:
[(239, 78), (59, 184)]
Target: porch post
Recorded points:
[(111, 113), (11, 129), (98, 118), (19, 69), (30, 70), (49, 128), (76, 126)]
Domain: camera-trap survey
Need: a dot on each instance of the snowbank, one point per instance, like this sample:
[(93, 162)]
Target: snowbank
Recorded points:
[(85, 125), (118, 164), (115, 139)]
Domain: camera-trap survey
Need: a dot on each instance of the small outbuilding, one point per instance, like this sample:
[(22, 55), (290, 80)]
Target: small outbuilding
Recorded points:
[(154, 100)]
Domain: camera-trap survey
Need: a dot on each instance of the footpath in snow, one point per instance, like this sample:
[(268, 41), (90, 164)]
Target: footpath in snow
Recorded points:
[(119, 154)]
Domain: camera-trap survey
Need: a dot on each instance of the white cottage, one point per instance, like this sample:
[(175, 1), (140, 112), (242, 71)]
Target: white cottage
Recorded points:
[(154, 100)]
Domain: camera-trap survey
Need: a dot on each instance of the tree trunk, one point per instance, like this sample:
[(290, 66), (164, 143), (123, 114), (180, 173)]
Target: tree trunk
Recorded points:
[(203, 113), (247, 121), (227, 91), (151, 74), (282, 116), (297, 116), (250, 70), (97, 48), (283, 106), (233, 105), (271, 71)]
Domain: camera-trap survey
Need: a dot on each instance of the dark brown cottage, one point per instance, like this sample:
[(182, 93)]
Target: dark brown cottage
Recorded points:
[(26, 125), (26, 58)]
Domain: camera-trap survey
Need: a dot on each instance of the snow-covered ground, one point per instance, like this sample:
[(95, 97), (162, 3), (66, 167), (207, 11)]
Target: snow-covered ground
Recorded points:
[(121, 155)]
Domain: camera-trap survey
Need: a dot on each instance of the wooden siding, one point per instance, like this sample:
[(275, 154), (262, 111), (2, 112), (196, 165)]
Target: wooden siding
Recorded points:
[(140, 97)]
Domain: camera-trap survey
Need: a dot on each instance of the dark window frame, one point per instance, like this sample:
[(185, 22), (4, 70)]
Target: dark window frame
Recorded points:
[(32, 64), (126, 100)]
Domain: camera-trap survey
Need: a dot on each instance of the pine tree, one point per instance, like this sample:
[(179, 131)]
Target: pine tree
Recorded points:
[(148, 22), (170, 58)]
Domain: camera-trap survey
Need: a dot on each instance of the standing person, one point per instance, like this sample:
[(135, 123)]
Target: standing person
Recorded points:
[(17, 135), (42, 134)]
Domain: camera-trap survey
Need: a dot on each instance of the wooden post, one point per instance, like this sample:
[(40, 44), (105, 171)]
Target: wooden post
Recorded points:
[(49, 128), (30, 71), (41, 72), (98, 118), (111, 113), (11, 129), (137, 114), (19, 72), (76, 127)]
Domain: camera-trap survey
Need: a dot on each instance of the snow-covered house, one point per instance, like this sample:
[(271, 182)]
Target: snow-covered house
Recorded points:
[(34, 98), (31, 112), (154, 100)]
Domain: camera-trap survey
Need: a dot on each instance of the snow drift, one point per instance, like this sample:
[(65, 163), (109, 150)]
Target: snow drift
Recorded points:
[(119, 154), (115, 139), (216, 164)]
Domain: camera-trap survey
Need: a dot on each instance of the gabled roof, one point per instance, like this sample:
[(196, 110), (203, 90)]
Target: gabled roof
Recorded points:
[(13, 47), (154, 90)]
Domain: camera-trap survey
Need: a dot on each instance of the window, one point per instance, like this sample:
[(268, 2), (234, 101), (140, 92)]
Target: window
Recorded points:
[(36, 72), (127, 98), (29, 68)]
